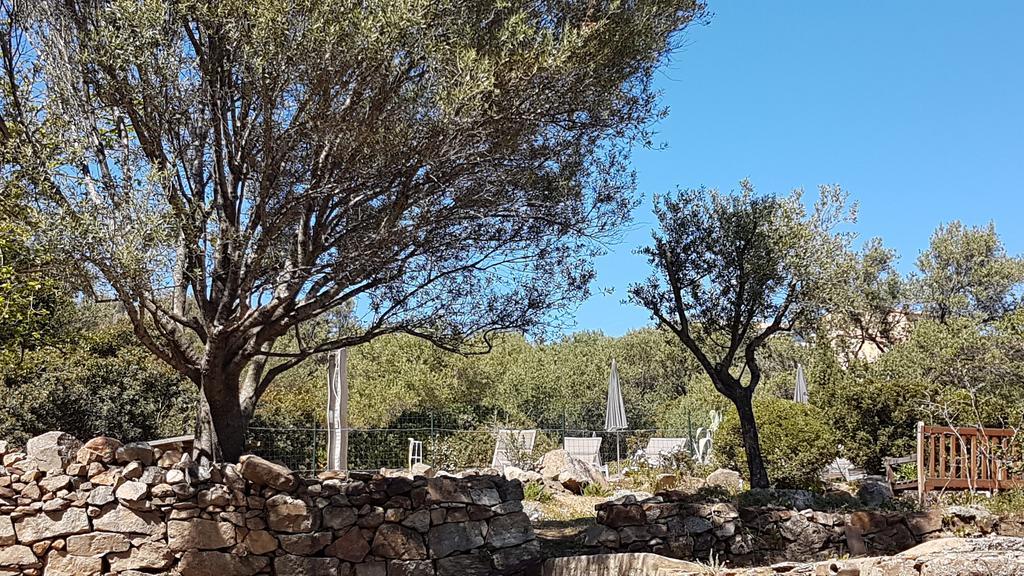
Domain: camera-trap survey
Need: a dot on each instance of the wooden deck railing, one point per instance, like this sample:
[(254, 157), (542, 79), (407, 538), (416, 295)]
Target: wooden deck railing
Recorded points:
[(967, 458)]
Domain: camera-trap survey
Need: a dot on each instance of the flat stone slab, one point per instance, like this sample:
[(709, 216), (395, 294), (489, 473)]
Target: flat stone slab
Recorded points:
[(617, 564)]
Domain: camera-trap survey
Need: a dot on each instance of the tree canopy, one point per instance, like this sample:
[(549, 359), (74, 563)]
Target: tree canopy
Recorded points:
[(230, 171), (733, 270)]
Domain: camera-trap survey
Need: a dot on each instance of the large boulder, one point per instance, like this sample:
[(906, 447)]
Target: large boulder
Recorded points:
[(53, 451), (265, 473), (729, 480), (571, 472), (874, 491)]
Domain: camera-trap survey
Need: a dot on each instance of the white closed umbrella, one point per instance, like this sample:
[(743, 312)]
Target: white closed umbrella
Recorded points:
[(800, 390), (615, 409)]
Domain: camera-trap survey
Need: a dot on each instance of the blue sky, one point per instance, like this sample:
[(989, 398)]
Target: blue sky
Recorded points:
[(916, 108)]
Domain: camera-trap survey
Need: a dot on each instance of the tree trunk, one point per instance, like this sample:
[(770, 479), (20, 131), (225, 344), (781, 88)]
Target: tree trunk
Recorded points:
[(221, 422), (751, 443)]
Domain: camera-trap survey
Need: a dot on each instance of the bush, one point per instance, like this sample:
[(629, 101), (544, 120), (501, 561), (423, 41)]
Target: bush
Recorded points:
[(795, 441)]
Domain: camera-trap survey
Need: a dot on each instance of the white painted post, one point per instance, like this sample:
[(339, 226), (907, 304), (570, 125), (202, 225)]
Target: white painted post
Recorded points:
[(337, 410)]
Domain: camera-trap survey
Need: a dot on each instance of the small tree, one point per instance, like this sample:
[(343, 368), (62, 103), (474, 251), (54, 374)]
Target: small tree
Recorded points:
[(733, 270), (966, 273), (233, 170)]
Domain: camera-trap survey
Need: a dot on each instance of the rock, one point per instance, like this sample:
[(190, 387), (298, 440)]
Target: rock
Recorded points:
[(410, 568), (517, 557), (47, 525), (207, 563), (264, 473), (140, 452), (446, 539), (371, 569), (624, 515), (418, 521), (287, 514), (53, 451), (64, 564), (17, 556), (730, 480), (169, 458), (615, 564), (921, 523), (338, 517), (598, 535), (509, 530), (305, 544), (96, 544), (874, 491), (397, 542), (55, 483), (7, 536), (100, 449), (199, 534), (868, 522), (126, 521), (132, 493), (476, 564), (572, 473), (351, 546), (147, 556), (260, 542), (513, 473), (421, 469), (289, 565), (446, 490), (101, 496)]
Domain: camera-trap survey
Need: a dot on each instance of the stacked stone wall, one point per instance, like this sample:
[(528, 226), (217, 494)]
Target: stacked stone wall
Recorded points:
[(107, 508), (671, 524)]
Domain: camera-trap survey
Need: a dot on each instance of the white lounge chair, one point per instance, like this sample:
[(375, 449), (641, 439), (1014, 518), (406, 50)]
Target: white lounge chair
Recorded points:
[(585, 449), (510, 443), (658, 448)]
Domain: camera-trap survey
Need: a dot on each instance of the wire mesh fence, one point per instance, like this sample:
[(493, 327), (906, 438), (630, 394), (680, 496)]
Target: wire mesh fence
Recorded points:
[(305, 449)]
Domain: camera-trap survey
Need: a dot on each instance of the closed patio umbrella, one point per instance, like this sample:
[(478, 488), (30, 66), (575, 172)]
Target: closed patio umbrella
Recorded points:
[(800, 390), (615, 410)]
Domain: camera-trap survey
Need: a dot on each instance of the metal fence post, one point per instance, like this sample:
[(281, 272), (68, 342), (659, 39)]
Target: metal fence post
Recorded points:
[(433, 439), (312, 456)]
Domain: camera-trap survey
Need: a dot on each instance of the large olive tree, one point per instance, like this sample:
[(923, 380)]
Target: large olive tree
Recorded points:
[(232, 170), (733, 270)]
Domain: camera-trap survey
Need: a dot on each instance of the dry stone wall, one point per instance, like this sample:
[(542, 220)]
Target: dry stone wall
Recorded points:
[(672, 525), (107, 508)]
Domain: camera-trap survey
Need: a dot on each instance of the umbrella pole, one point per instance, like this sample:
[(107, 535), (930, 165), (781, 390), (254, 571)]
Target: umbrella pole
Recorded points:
[(618, 458)]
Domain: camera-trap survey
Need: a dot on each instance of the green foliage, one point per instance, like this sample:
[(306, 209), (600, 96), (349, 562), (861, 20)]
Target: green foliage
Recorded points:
[(398, 379), (104, 383), (966, 272), (597, 491), (1001, 503), (797, 444), (536, 492), (961, 373), (30, 297)]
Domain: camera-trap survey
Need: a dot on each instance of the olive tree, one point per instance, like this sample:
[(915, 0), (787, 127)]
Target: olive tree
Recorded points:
[(232, 170), (967, 273), (733, 270)]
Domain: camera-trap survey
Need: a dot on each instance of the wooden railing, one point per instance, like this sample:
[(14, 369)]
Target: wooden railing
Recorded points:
[(967, 458)]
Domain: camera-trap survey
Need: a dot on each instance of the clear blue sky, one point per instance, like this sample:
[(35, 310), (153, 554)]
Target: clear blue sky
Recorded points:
[(916, 108)]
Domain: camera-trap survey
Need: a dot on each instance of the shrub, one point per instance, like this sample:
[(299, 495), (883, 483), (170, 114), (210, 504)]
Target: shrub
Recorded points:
[(534, 491), (795, 441), (597, 490)]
